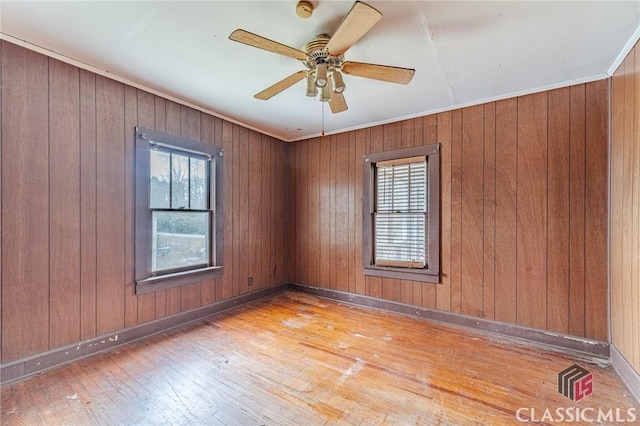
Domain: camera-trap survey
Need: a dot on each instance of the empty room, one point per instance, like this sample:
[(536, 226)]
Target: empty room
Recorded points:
[(319, 212)]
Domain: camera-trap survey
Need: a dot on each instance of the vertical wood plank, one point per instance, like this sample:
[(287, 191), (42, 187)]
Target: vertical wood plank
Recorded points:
[(558, 250), (267, 216), (64, 204), (472, 259), (146, 117), (333, 182), (627, 307), (342, 212), (629, 223), (635, 232), (313, 214), (617, 212), (255, 209), (303, 213), (326, 214), (292, 210), (240, 211), (596, 323), (1, 43), (296, 178), (130, 121), (360, 140), (110, 193), (281, 265), (88, 208), (456, 211), (489, 209), (443, 291), (25, 185), (577, 190), (532, 211), (226, 283), (351, 224), (506, 210)]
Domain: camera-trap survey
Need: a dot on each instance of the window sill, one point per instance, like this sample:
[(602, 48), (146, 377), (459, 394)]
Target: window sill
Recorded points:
[(421, 275), (177, 279)]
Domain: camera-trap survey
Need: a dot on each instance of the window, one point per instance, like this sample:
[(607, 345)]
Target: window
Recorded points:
[(401, 218), (178, 216)]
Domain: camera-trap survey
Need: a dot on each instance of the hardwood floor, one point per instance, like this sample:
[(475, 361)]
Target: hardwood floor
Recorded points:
[(302, 360)]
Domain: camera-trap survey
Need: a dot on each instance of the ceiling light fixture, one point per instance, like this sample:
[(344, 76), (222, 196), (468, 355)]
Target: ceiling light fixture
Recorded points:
[(311, 84), (325, 94), (321, 74), (338, 82), (323, 56)]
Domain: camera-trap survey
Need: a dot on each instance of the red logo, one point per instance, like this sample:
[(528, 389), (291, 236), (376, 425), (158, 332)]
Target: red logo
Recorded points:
[(575, 382)]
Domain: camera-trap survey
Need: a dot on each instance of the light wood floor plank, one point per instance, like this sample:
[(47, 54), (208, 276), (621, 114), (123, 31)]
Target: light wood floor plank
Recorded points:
[(296, 359)]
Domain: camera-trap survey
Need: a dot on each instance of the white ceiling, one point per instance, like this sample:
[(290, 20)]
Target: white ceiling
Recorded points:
[(463, 52)]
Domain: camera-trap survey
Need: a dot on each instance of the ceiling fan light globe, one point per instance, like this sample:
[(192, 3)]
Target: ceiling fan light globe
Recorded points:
[(311, 85), (321, 75), (337, 82), (325, 94)]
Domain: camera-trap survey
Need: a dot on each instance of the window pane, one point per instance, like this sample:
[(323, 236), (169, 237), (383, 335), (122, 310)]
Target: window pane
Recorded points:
[(179, 181), (400, 217), (179, 240), (199, 193), (159, 188), (400, 239), (402, 188)]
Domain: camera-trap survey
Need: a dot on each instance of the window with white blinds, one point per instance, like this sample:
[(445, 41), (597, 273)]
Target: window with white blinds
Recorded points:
[(400, 212)]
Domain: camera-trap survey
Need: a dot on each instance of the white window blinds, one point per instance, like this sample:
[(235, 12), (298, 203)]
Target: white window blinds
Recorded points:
[(401, 213)]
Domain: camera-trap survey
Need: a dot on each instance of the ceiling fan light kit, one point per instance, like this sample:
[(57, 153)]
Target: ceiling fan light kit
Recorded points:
[(323, 57)]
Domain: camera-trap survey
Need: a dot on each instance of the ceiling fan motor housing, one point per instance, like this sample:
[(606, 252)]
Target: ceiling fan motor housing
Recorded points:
[(318, 54)]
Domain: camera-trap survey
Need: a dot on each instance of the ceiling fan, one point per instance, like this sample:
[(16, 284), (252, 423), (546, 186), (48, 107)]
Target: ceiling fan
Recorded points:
[(324, 59)]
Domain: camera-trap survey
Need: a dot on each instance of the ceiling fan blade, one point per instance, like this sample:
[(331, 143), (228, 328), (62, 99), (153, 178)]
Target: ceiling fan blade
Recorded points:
[(360, 19), (281, 85), (337, 102), (379, 72), (260, 42)]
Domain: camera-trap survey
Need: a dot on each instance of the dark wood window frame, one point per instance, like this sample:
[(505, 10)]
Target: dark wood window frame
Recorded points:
[(431, 272), (146, 280)]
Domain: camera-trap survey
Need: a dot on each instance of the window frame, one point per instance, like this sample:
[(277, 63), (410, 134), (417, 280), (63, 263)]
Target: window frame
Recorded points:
[(145, 280), (431, 273)]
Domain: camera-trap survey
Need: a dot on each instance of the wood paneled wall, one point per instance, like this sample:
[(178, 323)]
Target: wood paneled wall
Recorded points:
[(625, 208), (67, 164), (523, 210)]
